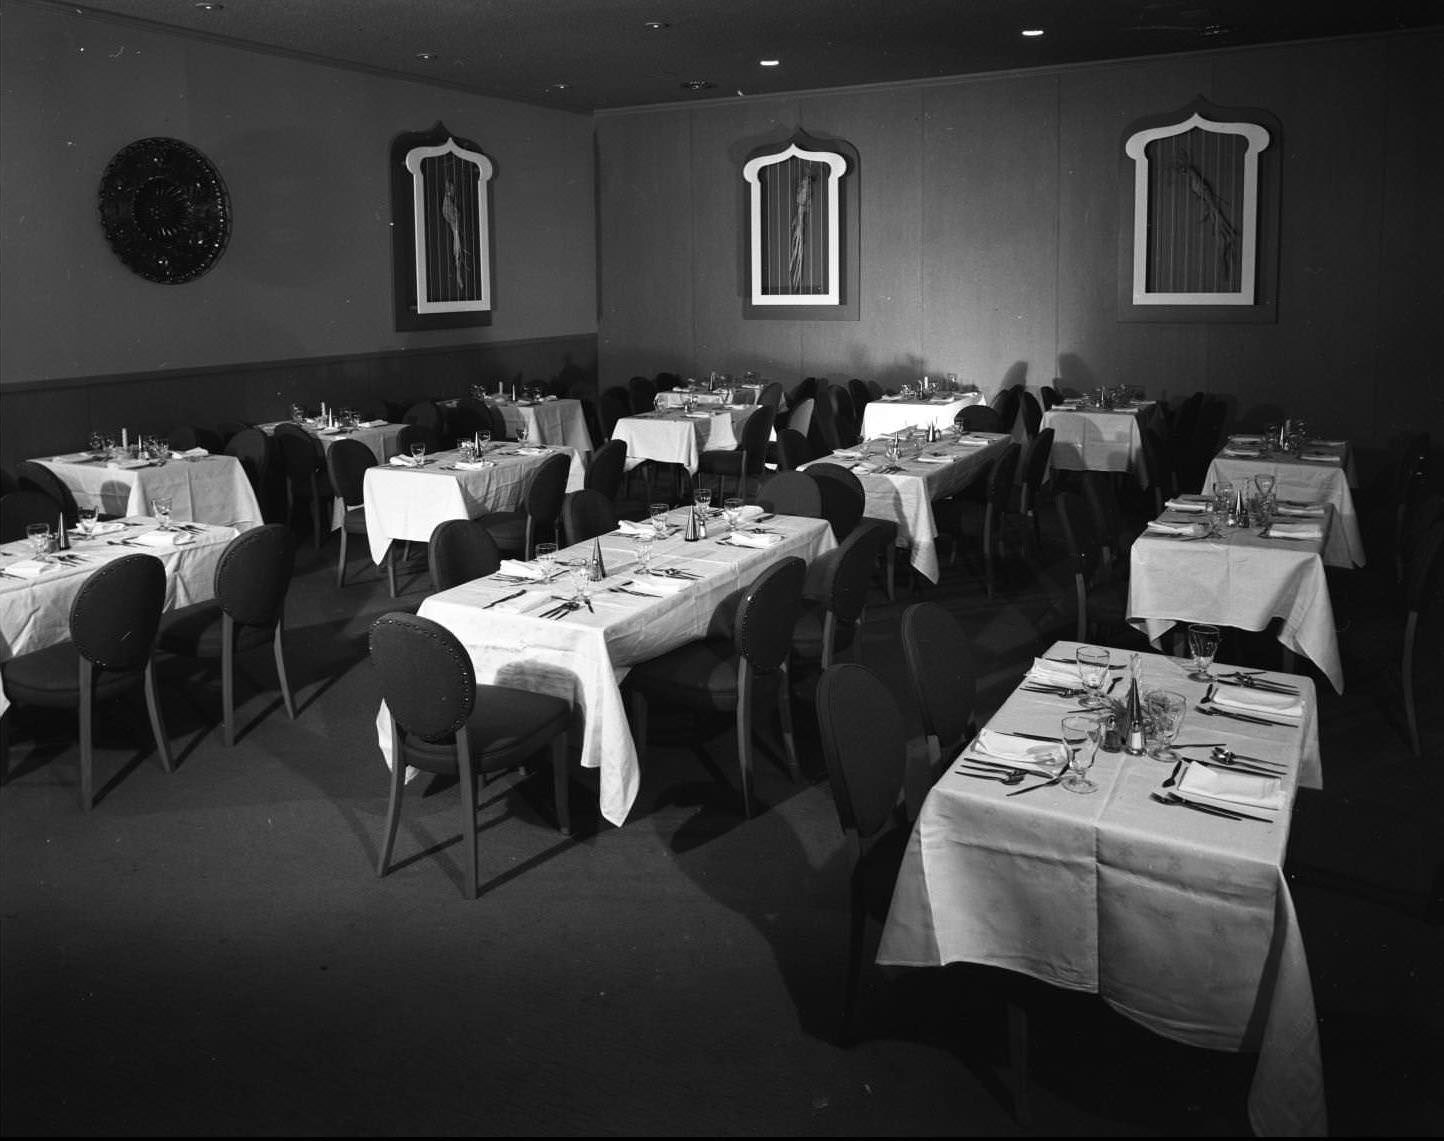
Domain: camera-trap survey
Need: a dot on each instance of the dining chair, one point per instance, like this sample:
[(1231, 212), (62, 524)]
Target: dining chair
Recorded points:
[(113, 623), (799, 418), (745, 461), (1100, 602), (804, 389), (953, 514), (184, 437), (252, 448), (830, 619), (792, 493), (1049, 396), (793, 450), (861, 396), (443, 721), (465, 419), (587, 514), (1181, 431), (411, 434), (1031, 411), (641, 394), (460, 551), (844, 503), (518, 532), (608, 467), (426, 414), (666, 381), (304, 460), (980, 418), (1424, 586), (8, 482), (372, 408), (833, 427), (248, 612), (720, 673), (1114, 537), (347, 462), (1410, 481), (943, 673), (1006, 404), (1031, 484), (18, 509), (227, 430), (1162, 469), (34, 476), (771, 395)]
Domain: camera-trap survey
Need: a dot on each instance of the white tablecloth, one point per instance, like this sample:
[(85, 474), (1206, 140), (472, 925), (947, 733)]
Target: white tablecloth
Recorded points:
[(35, 613), (1182, 922), (883, 417), (676, 438), (380, 439), (906, 497), (1237, 580), (1306, 481), (212, 489), (548, 422), (584, 657), (1097, 439), (408, 503)]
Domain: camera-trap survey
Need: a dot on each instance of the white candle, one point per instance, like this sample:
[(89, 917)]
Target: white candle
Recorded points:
[(124, 438)]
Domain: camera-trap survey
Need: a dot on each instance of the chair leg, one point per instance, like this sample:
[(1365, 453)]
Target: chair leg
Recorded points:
[(315, 513), (157, 723), (468, 807), (391, 569), (744, 734), (341, 562), (87, 756), (278, 646), (561, 784), (988, 549), (228, 679), (784, 713), (393, 803), (4, 746)]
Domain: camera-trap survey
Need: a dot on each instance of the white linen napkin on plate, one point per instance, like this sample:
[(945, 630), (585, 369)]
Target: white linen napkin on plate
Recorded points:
[(1193, 503), (29, 568), (631, 528), (1215, 786), (1247, 700), (532, 451), (1249, 453), (1303, 531), (164, 538), (890, 396), (752, 539), (974, 441), (658, 585), (863, 469), (372, 423), (925, 459), (1285, 507), (847, 454), (74, 458), (1020, 752), (127, 465), (515, 568), (100, 529), (1054, 673), (403, 461), (698, 415), (193, 454), (1329, 443), (1191, 530), (1321, 457), (1245, 439), (474, 465)]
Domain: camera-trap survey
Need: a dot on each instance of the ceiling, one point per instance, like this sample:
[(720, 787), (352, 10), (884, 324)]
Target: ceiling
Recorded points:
[(586, 55)]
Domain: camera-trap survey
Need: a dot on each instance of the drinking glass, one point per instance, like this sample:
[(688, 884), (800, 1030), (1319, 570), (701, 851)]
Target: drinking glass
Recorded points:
[(546, 557), (1265, 482), (298, 414), (658, 512), (523, 430), (659, 403), (38, 536), (85, 520), (160, 507), (1163, 712), (702, 497), (732, 508), (1222, 498), (1080, 734), (483, 438), (643, 541), (97, 441), (894, 449), (1093, 669), (580, 571), (467, 449), (1203, 645), (418, 453), (160, 451)]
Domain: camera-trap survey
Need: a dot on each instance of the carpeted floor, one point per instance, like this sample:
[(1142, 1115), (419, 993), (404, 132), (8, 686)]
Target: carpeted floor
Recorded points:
[(211, 952)]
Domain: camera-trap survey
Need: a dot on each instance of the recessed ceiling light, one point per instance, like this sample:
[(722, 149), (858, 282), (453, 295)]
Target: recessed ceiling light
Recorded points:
[(698, 85), (209, 6), (1032, 33), (656, 25), (559, 87), (769, 62), (426, 57)]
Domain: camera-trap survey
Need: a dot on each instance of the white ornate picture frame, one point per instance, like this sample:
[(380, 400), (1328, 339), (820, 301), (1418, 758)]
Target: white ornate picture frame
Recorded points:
[(450, 227)]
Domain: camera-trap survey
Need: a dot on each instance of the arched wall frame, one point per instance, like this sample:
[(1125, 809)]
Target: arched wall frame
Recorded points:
[(1198, 226)]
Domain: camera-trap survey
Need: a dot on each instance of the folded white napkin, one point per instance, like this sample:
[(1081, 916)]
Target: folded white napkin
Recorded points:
[(1020, 752), (841, 453), (863, 469), (927, 459), (550, 398), (1321, 457), (750, 512), (515, 568), (1301, 531), (1247, 700), (697, 415), (74, 458), (1188, 503), (101, 529), (1054, 673), (752, 539), (1310, 509), (1246, 452), (474, 465), (659, 585), (193, 454), (631, 527), (532, 451), (336, 431), (1330, 443), (974, 441), (889, 396), (1245, 439), (1212, 785), (28, 568), (403, 461), (371, 423), (164, 538), (127, 465), (1191, 530)]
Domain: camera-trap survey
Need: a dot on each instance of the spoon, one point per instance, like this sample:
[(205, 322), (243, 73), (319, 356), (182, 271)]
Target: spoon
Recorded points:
[(1223, 755)]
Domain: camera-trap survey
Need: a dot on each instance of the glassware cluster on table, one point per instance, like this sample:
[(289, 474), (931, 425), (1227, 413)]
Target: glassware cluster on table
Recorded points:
[(329, 416), (1109, 396), (155, 449)]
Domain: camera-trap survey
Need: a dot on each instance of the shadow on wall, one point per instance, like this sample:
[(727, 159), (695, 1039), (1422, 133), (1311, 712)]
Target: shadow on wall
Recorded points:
[(1074, 372)]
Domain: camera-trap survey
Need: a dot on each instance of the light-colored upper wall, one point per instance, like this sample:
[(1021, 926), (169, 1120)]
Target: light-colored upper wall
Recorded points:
[(989, 233), (304, 150)]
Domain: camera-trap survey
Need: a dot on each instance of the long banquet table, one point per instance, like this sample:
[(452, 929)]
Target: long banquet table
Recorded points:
[(585, 656), (1181, 921), (207, 489)]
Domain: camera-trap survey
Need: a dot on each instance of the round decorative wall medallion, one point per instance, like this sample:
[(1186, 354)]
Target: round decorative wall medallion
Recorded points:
[(165, 210)]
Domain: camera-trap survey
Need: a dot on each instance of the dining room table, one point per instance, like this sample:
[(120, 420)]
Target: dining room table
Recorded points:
[(1162, 891), (1187, 566), (36, 595), (518, 633), (1090, 438), (904, 490), (557, 420), (404, 500), (202, 487), (893, 412), (1320, 471), (677, 436), (378, 435)]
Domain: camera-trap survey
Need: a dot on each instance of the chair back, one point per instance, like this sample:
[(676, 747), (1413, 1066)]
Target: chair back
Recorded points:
[(842, 574), (1159, 460), (613, 404), (587, 514), (228, 429), (1103, 505), (8, 482), (860, 395), (666, 381), (302, 455), (943, 672), (1002, 475), (467, 418), (426, 413), (805, 389), (832, 426), (115, 616), (762, 628), (792, 449), (756, 433), (641, 394), (34, 476), (1005, 404), (771, 395), (608, 466), (1035, 467), (254, 574), (980, 418), (417, 434), (548, 489), (20, 508), (1032, 412), (461, 550), (800, 418), (843, 497), (1184, 422), (426, 676), (346, 462), (864, 745), (252, 448), (792, 493), (1049, 395)]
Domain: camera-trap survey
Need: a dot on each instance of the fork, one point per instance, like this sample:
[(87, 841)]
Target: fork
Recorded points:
[(1209, 711), (1173, 800), (997, 776)]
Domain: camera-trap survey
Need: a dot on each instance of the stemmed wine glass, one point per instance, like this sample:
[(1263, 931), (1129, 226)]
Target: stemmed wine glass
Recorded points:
[(702, 497), (546, 556), (732, 508), (1203, 645), (1163, 712), (1080, 729), (85, 520), (1093, 669), (643, 541), (658, 512), (418, 454), (160, 507), (38, 536), (523, 430), (483, 440)]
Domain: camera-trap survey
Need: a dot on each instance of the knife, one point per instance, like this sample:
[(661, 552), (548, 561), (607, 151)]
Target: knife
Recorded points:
[(1036, 787), (505, 598)]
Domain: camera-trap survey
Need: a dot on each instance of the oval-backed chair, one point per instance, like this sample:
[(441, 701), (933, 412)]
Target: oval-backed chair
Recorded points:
[(518, 532), (460, 550), (347, 462), (586, 515), (745, 461)]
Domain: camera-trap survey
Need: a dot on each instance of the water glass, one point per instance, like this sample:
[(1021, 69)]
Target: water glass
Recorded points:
[(658, 513), (702, 497), (643, 541), (659, 403), (732, 508), (483, 439), (160, 507), (523, 430), (1081, 733), (1203, 645), (38, 536), (580, 571), (467, 450), (418, 453), (160, 451), (1163, 712), (85, 520), (1265, 482), (1093, 669), (546, 557)]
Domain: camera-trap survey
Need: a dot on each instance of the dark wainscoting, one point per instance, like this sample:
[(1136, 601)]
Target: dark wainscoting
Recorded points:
[(45, 417)]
